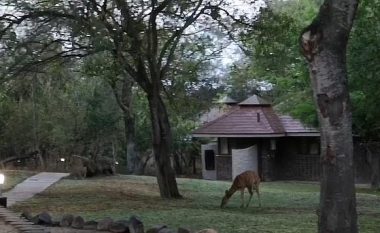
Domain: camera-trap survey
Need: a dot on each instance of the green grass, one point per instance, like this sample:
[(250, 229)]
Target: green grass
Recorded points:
[(13, 177), (286, 206)]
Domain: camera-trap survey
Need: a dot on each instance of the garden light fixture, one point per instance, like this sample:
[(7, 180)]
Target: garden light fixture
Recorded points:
[(2, 179)]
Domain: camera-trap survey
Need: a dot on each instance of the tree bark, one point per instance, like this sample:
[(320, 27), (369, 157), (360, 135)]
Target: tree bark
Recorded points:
[(125, 102), (134, 163), (324, 45), (177, 163), (162, 139)]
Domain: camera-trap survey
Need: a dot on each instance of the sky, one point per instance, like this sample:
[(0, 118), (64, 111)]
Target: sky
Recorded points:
[(232, 53)]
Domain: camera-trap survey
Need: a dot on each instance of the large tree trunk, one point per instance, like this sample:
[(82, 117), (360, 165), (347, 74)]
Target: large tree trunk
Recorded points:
[(161, 146), (324, 46)]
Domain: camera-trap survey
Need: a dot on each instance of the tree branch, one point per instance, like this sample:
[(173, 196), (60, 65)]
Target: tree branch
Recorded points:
[(171, 44)]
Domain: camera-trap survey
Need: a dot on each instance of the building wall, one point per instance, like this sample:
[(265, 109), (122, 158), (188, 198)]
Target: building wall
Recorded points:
[(223, 167), (297, 158), (208, 174), (268, 158), (244, 160)]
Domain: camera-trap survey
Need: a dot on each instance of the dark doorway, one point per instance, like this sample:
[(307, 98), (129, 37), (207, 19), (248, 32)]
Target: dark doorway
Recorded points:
[(210, 160)]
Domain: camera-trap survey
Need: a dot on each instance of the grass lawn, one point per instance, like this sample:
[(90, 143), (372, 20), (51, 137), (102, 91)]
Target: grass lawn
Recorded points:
[(286, 206)]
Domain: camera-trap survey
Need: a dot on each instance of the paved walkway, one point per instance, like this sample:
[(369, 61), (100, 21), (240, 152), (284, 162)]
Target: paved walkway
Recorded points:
[(11, 222), (33, 185)]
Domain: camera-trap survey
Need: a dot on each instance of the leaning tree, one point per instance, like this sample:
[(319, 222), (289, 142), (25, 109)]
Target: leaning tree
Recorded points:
[(142, 37), (324, 45)]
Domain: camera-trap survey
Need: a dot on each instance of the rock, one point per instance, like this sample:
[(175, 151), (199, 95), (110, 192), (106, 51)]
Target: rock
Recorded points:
[(104, 224), (135, 225), (207, 231), (119, 227), (90, 225), (67, 220), (156, 229), (78, 222), (35, 219), (78, 170), (183, 230), (43, 218), (105, 165), (26, 214), (91, 168), (166, 230), (55, 223)]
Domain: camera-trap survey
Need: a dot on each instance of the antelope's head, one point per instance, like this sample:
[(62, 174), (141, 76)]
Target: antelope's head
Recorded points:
[(225, 199)]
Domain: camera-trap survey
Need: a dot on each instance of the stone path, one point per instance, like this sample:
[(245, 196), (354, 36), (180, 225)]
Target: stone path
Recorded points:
[(14, 223), (11, 222), (31, 186)]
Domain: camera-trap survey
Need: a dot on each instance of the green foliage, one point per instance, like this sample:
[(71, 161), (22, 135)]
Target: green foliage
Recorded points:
[(58, 112), (364, 70), (276, 61)]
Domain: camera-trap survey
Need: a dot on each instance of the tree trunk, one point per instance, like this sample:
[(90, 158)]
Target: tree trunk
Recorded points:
[(134, 163), (133, 158), (161, 146), (324, 45), (125, 102), (177, 163)]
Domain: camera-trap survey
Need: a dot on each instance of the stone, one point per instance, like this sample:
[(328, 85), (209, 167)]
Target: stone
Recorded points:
[(55, 223), (90, 225), (44, 218), (156, 229), (104, 224), (120, 226), (166, 230), (135, 225), (207, 231), (78, 222), (183, 230), (67, 220), (35, 219), (26, 214)]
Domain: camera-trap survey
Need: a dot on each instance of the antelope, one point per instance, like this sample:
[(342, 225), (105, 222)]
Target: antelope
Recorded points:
[(247, 179)]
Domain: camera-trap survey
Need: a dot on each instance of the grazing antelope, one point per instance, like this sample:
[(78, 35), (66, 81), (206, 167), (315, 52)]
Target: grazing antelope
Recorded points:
[(247, 179)]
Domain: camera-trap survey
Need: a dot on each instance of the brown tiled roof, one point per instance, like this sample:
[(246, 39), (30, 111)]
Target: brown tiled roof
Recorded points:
[(292, 125), (254, 117), (254, 121), (245, 121)]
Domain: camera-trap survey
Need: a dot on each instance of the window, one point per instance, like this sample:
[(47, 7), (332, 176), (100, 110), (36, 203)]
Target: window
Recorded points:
[(308, 147), (209, 160)]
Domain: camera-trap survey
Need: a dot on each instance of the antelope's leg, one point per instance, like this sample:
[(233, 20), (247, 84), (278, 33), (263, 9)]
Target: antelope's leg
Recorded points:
[(250, 195), (258, 194), (242, 198)]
